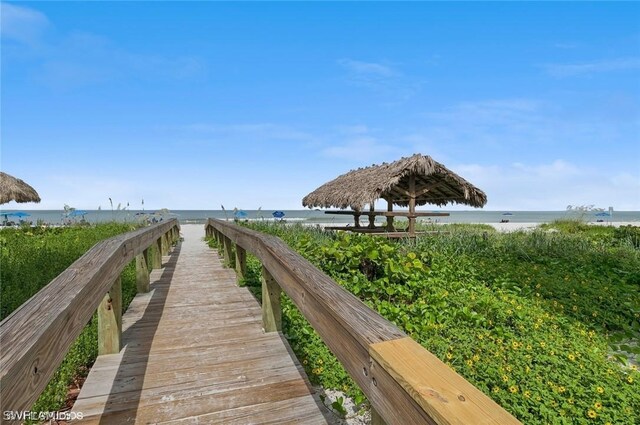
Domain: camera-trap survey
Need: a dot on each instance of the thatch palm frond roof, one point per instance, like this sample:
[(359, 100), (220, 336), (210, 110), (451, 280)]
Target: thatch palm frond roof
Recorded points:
[(13, 189), (434, 184)]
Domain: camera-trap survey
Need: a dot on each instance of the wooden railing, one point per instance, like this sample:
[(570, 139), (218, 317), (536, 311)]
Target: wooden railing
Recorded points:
[(36, 336), (404, 382)]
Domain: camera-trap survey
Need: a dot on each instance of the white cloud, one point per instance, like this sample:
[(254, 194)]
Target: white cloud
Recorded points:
[(266, 131), (84, 191), (552, 186), (570, 70), (22, 24), (82, 58), (387, 82), (369, 68), (362, 148)]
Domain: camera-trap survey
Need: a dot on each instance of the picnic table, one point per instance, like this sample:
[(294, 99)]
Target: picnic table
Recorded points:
[(389, 229)]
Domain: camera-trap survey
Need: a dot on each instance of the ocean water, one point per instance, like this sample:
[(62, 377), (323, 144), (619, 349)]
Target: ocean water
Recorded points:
[(317, 216)]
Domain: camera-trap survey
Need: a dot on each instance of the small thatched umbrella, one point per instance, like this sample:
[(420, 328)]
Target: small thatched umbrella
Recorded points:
[(416, 180), (13, 189)]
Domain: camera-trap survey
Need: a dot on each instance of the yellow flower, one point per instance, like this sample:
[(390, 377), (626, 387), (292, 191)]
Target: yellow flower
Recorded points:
[(629, 379), (526, 394), (496, 389), (469, 362), (597, 405), (505, 378), (570, 401), (319, 361), (513, 389), (508, 368), (449, 356), (571, 357), (476, 358), (592, 414), (600, 390), (561, 389)]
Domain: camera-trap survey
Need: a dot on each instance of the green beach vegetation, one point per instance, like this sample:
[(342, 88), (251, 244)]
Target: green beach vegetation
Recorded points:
[(544, 322), (29, 259)]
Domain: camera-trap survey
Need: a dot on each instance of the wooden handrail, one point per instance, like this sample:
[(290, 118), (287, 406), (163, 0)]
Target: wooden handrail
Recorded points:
[(404, 382), (36, 336)]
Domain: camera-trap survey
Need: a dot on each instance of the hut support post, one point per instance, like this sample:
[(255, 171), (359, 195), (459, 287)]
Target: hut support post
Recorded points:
[(372, 218), (412, 205), (356, 219), (389, 218)]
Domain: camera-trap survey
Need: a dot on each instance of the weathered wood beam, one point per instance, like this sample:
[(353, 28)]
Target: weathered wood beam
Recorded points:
[(428, 188)]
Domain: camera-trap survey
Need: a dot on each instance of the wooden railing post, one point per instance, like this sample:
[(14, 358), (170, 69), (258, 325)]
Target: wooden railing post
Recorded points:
[(164, 244), (227, 251), (376, 419), (157, 258), (142, 272), (241, 263), (219, 241), (271, 313), (110, 320)]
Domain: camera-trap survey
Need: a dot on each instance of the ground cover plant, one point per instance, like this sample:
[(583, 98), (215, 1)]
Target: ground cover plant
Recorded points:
[(528, 318), (29, 259)]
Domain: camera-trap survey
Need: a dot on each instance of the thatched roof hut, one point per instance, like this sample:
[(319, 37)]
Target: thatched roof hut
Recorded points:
[(13, 189), (416, 180), (433, 184)]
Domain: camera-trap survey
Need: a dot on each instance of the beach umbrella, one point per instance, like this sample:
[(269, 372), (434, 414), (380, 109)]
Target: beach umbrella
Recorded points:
[(602, 214), (278, 214), (13, 189), (240, 214), (507, 213), (19, 214)]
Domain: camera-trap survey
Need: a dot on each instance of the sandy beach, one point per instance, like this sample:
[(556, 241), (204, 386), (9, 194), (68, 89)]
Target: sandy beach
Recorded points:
[(505, 227), (513, 227)]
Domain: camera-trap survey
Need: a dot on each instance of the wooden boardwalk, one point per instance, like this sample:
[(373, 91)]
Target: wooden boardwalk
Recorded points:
[(195, 352)]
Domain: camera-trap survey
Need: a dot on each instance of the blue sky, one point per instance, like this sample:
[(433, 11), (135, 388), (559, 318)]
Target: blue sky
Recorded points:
[(193, 105)]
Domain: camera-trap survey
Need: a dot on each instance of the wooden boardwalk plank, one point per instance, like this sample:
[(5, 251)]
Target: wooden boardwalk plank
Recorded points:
[(194, 352)]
